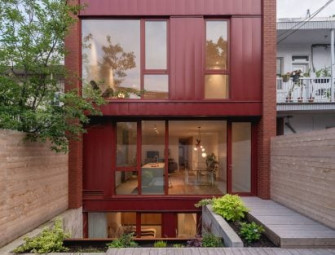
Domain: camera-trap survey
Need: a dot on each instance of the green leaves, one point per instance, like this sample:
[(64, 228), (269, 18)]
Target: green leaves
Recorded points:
[(32, 73), (210, 240), (50, 240), (251, 231), (125, 241), (230, 207)]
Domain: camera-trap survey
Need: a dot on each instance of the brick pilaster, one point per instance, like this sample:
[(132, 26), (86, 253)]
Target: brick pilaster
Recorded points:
[(72, 63), (267, 125)]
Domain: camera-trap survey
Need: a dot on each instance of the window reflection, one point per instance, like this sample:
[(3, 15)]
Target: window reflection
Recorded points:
[(155, 45), (111, 56), (216, 45), (156, 86)]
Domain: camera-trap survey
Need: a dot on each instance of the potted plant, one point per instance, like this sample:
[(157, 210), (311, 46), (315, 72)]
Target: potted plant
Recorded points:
[(286, 77), (211, 162), (323, 72)]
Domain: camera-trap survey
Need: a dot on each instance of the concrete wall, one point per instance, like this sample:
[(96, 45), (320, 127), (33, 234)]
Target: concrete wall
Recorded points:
[(306, 122), (303, 173), (33, 184), (215, 224)]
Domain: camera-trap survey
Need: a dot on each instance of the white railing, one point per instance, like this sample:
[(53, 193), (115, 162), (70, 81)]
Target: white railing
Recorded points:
[(304, 90)]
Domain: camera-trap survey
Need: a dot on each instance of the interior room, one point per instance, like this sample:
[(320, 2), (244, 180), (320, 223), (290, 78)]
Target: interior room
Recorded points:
[(197, 158)]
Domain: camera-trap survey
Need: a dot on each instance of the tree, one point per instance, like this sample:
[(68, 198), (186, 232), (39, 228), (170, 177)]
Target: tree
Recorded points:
[(32, 97)]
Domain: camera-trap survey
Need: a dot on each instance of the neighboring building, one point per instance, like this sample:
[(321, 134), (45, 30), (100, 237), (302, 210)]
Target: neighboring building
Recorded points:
[(201, 126), (305, 104)]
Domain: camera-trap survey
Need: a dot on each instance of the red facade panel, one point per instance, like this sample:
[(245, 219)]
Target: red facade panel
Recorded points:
[(246, 59), (187, 58), (171, 7), (179, 109), (97, 157)]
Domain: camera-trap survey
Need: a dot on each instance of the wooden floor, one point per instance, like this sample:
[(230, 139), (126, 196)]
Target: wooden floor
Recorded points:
[(287, 228), (219, 251)]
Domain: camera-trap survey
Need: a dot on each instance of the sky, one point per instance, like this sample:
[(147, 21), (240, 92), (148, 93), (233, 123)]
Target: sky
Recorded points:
[(298, 8)]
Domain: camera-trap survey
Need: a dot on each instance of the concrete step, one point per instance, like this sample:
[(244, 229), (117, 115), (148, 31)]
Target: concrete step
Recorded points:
[(288, 228)]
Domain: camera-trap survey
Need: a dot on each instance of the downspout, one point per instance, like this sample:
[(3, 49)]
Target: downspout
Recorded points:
[(332, 65)]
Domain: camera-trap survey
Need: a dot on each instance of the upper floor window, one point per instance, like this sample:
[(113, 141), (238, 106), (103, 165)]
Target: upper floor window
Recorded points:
[(216, 66), (156, 81), (125, 57)]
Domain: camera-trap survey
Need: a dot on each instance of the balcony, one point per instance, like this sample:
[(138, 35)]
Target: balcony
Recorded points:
[(304, 94)]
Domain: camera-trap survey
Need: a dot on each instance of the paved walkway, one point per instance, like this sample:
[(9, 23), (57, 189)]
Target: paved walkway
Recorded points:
[(287, 228), (219, 251)]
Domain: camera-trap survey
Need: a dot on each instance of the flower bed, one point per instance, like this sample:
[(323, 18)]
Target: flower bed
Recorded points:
[(236, 230)]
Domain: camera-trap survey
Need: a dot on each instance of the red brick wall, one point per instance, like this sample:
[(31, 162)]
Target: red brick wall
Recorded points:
[(267, 124), (72, 62)]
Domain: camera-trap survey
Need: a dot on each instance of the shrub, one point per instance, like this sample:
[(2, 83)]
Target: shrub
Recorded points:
[(210, 240), (196, 242), (50, 240), (251, 231), (160, 244), (125, 241), (204, 202), (178, 245), (230, 207)]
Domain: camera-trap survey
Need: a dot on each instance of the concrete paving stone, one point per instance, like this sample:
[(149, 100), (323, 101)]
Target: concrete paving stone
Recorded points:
[(280, 212), (284, 220), (311, 227), (307, 242), (288, 226), (305, 234)]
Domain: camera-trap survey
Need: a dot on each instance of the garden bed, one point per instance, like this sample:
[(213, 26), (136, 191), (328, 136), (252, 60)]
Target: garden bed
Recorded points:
[(215, 224), (264, 241), (100, 245)]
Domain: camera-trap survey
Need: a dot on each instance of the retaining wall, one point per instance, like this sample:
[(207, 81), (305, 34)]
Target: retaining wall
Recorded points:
[(33, 184), (303, 173)]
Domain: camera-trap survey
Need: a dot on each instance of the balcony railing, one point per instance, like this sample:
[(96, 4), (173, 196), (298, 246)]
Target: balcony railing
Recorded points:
[(304, 90)]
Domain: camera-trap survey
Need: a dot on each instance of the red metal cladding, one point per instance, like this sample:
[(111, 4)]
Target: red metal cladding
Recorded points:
[(97, 157), (169, 224), (171, 7), (178, 109), (246, 59), (187, 58), (143, 203)]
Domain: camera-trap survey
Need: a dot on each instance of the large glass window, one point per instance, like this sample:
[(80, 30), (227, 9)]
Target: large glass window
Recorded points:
[(216, 74), (197, 157), (111, 56), (112, 60), (115, 224), (181, 157)]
